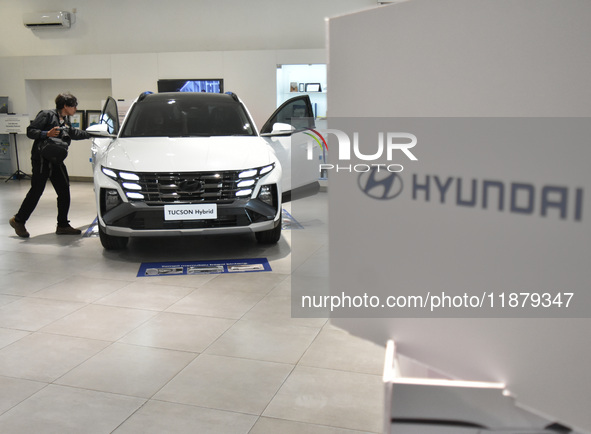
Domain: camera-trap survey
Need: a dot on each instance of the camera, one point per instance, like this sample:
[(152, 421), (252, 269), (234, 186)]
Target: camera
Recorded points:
[(65, 134)]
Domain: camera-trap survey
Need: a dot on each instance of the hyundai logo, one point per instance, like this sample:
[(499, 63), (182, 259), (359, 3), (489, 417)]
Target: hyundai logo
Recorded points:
[(192, 185), (380, 184)]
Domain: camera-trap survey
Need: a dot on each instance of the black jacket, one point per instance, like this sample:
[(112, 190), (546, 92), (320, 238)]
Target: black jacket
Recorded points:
[(45, 121)]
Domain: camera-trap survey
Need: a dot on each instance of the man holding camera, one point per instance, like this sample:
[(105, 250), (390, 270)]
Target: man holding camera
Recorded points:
[(50, 124)]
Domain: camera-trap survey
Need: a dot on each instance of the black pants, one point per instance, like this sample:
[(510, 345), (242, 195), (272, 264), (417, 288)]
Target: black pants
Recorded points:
[(58, 175)]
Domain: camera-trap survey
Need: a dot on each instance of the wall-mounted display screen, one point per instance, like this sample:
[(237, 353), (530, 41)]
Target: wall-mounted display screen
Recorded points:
[(213, 85)]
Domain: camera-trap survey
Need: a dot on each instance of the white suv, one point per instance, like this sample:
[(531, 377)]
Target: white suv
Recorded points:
[(187, 163)]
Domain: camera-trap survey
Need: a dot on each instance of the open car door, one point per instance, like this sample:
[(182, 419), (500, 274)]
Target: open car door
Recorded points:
[(110, 116), (288, 132), (108, 128)]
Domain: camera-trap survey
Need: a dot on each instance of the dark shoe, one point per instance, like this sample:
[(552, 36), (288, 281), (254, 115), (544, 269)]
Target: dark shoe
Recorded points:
[(19, 228), (67, 230)]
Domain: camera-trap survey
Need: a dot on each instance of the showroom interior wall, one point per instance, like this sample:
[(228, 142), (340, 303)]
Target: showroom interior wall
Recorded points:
[(251, 74), (123, 48)]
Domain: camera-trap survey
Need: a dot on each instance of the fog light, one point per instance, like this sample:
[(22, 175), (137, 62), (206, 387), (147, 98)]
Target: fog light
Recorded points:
[(112, 199), (266, 194)]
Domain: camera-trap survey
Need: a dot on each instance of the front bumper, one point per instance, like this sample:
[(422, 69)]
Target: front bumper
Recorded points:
[(137, 219)]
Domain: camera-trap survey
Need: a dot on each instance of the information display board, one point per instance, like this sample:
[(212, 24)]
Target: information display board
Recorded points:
[(14, 124)]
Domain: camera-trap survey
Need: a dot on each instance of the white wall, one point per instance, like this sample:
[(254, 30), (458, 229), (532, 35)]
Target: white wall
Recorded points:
[(33, 82), (479, 61), (302, 74), (132, 44), (155, 26)]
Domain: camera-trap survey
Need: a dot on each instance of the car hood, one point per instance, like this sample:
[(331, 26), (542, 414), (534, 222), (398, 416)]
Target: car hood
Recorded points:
[(187, 154)]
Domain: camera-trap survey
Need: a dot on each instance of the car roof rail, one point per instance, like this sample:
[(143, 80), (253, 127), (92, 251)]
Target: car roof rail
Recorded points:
[(233, 95), (144, 94)]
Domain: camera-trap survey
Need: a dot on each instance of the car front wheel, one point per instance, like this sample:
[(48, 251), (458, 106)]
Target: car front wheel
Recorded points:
[(111, 242), (271, 236)]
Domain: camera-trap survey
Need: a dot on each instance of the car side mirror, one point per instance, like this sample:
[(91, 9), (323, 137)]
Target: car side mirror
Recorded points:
[(280, 129), (100, 130)]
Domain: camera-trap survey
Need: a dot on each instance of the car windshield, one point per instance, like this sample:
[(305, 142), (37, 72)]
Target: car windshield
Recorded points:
[(187, 115)]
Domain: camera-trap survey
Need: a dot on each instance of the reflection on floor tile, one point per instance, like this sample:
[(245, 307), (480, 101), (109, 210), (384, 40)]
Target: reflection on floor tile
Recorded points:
[(58, 409), (88, 347), (271, 342), (25, 283), (141, 295), (266, 425), (164, 417), (326, 397), (227, 383), (34, 313), (128, 370), (179, 332), (15, 390), (336, 349), (46, 357), (8, 336), (100, 322), (78, 288)]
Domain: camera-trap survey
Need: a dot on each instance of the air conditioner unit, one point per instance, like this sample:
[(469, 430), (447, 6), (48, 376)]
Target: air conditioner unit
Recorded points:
[(39, 20)]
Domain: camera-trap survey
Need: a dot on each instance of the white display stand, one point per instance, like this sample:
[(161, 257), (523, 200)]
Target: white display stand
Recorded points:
[(471, 58), (419, 405)]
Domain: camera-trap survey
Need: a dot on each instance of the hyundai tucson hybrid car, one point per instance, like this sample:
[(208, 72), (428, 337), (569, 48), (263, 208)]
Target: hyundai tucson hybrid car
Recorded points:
[(185, 163)]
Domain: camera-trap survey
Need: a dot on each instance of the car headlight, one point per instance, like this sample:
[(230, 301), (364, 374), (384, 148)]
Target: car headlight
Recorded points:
[(131, 186), (251, 173), (132, 195), (131, 189), (109, 173), (266, 169), (119, 175), (248, 173), (248, 179), (129, 176), (246, 183)]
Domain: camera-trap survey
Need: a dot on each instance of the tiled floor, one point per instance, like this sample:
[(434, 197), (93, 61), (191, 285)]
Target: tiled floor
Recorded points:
[(88, 347)]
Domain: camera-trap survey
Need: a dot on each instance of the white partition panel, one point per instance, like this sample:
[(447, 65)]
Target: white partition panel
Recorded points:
[(496, 206)]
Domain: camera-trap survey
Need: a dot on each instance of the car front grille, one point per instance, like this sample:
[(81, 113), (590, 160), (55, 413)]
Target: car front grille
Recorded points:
[(195, 187)]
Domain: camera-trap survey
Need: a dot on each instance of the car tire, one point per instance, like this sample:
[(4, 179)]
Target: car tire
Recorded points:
[(271, 236), (111, 242)]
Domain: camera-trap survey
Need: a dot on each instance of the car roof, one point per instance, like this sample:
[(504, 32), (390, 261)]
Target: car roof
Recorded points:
[(204, 97)]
